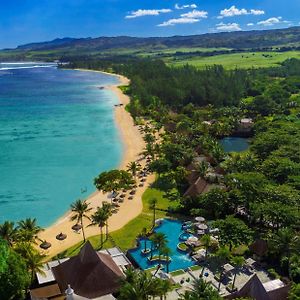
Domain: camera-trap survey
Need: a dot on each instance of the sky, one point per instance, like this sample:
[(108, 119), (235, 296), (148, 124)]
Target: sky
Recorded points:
[(25, 21)]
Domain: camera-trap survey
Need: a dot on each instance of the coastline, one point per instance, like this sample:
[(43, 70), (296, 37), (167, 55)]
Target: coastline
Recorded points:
[(133, 145)]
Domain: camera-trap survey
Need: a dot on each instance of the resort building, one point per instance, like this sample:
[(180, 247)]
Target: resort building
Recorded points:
[(255, 289), (89, 275)]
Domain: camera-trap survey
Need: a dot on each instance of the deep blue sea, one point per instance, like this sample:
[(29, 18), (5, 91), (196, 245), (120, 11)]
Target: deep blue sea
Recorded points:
[(57, 132)]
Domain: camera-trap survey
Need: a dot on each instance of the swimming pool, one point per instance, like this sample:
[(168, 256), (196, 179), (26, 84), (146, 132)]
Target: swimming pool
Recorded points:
[(179, 260)]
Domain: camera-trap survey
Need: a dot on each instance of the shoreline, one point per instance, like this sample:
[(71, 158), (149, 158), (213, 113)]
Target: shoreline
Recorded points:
[(133, 145)]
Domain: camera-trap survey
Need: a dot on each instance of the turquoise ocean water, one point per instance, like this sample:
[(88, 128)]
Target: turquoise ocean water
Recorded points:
[(57, 132)]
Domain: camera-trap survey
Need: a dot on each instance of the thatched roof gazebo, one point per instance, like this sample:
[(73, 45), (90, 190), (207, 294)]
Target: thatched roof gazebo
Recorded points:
[(61, 236)]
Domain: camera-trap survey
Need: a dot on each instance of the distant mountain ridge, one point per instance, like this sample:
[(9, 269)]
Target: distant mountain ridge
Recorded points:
[(238, 39)]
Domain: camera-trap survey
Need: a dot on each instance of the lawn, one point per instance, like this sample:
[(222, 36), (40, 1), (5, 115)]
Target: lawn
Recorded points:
[(244, 60), (125, 237)]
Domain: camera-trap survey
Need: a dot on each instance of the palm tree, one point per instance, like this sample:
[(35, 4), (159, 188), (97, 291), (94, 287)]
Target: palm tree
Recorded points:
[(8, 232), (284, 242), (138, 285), (203, 168), (152, 205), (206, 243), (133, 167), (160, 240), (223, 255), (200, 290), (144, 236), (166, 251), (80, 208), (162, 287), (238, 262), (99, 218), (107, 207), (28, 230), (34, 260), (153, 245)]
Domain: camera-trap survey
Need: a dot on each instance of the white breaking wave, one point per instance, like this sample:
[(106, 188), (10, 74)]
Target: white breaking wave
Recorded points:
[(27, 67)]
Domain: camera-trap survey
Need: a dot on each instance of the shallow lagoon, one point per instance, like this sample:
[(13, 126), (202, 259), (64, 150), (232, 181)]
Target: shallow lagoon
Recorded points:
[(57, 132)]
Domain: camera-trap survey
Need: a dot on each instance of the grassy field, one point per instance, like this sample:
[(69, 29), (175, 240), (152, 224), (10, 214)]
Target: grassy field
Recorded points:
[(125, 237), (239, 60)]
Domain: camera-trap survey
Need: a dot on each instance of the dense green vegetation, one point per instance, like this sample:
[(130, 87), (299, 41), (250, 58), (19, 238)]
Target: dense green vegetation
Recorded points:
[(254, 194), (19, 260)]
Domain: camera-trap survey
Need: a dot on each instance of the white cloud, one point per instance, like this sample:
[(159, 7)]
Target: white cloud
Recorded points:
[(270, 21), (177, 6), (228, 27), (147, 12), (256, 12), (173, 22), (234, 11), (196, 14), (191, 17), (250, 24)]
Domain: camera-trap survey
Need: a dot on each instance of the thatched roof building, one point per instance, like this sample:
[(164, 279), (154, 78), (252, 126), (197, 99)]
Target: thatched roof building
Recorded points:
[(255, 289), (91, 274)]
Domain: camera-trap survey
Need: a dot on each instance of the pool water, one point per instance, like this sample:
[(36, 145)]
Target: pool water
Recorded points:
[(234, 144), (184, 236), (179, 260)]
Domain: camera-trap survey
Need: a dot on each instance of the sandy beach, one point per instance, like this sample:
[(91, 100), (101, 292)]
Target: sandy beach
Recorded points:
[(133, 145)]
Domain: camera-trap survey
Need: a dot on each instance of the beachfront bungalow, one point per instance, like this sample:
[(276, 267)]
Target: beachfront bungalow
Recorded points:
[(89, 275), (255, 289)]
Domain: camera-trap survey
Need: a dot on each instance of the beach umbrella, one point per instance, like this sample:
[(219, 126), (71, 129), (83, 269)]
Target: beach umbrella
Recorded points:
[(61, 236), (199, 219), (45, 245), (76, 227), (132, 192), (202, 227)]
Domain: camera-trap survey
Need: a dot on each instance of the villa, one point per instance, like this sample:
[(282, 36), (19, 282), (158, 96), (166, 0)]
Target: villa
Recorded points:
[(89, 275)]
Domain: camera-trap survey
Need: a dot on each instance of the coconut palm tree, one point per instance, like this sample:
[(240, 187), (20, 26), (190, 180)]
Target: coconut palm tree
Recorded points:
[(152, 205), (8, 232), (137, 285), (161, 241), (206, 243), (200, 290), (28, 230), (283, 244), (34, 260), (162, 287), (203, 168), (238, 262), (99, 218), (80, 208), (133, 167), (144, 236), (223, 254), (107, 207), (166, 251)]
